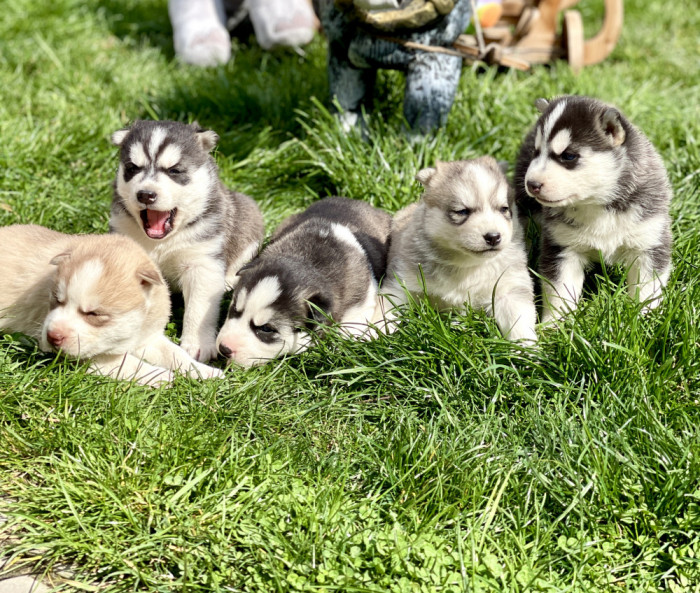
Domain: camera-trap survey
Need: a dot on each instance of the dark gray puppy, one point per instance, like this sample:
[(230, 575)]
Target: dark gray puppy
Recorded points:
[(320, 265)]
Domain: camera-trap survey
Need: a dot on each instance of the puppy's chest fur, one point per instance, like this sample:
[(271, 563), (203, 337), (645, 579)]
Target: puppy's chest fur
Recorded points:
[(592, 229), (450, 285), (176, 253)]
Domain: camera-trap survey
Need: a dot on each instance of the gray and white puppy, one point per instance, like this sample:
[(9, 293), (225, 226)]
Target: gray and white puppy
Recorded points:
[(322, 264), (599, 188), (462, 244), (168, 197)]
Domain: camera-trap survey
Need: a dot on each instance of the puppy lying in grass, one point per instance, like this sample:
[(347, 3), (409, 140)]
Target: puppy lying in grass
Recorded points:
[(321, 265), (96, 297), (461, 244)]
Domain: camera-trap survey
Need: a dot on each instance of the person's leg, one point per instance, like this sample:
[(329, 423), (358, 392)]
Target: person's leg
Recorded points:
[(282, 22), (199, 34)]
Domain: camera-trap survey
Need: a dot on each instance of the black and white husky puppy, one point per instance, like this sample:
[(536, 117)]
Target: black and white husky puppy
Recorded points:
[(321, 265), (599, 188), (168, 197), (461, 244)]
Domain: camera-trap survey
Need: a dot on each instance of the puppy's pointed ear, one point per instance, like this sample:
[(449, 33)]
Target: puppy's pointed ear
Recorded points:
[(207, 139), (249, 266), (425, 175), (118, 136), (319, 310), (149, 276), (61, 258), (612, 126), (541, 104)]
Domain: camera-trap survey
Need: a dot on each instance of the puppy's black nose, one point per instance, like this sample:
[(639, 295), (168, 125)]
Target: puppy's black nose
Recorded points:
[(146, 196), (492, 239), (534, 187), (225, 350)]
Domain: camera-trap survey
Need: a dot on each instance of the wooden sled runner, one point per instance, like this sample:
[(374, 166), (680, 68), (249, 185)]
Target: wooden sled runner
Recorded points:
[(527, 35)]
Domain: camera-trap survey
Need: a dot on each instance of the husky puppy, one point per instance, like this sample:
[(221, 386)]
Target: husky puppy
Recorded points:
[(461, 244), (322, 264), (169, 199), (600, 189), (96, 297)]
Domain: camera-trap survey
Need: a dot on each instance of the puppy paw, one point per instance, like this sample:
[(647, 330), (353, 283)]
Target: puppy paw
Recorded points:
[(200, 350), (650, 304), (525, 340), (156, 378), (203, 371), (550, 317), (199, 35)]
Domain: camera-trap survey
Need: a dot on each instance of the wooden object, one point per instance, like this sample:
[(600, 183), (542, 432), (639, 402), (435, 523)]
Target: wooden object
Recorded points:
[(528, 34)]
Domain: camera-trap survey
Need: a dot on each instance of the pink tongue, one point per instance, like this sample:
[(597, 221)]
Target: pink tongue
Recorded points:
[(157, 221)]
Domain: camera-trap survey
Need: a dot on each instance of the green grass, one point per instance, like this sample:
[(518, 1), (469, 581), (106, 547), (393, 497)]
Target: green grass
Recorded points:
[(441, 458)]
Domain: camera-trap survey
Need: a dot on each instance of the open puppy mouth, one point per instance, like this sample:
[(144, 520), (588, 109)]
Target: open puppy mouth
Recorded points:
[(158, 223)]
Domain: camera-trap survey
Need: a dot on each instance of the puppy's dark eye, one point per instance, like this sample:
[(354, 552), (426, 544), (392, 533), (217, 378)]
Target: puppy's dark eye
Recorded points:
[(504, 210), (174, 171), (131, 168), (265, 333), (568, 157), (462, 212)]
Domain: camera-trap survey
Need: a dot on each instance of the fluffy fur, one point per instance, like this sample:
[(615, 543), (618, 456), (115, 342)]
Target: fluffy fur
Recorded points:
[(96, 297), (168, 197), (599, 188), (461, 244), (321, 265)]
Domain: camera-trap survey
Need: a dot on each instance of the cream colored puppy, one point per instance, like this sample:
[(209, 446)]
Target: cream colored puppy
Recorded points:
[(96, 297), (462, 245)]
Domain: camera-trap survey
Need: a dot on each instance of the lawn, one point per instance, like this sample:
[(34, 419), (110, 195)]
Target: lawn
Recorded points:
[(440, 458)]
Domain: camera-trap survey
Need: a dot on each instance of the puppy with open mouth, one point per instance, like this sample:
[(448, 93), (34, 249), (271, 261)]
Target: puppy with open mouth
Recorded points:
[(168, 197), (461, 244), (95, 297)]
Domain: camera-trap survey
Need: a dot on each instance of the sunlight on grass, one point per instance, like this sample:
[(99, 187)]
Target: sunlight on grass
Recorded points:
[(440, 458)]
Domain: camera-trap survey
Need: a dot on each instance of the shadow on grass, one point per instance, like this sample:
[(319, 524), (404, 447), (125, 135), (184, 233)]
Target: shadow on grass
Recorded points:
[(140, 22), (251, 101)]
